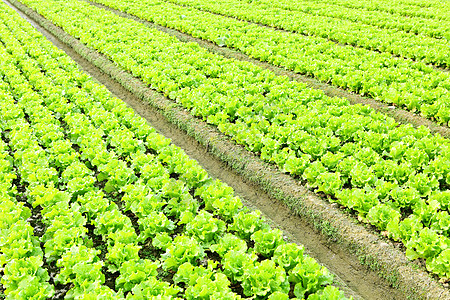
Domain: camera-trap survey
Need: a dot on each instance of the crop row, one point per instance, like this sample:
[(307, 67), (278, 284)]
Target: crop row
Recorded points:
[(392, 80), (88, 161), (21, 257), (387, 171), (418, 3), (427, 9), (381, 19), (56, 178), (394, 176), (392, 41)]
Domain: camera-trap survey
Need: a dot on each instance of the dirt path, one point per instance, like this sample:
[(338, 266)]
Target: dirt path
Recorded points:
[(364, 283)]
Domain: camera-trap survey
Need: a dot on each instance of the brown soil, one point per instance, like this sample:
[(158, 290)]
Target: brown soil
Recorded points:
[(342, 242)]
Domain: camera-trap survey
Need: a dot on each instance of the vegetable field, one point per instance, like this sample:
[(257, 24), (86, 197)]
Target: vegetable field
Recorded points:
[(96, 204)]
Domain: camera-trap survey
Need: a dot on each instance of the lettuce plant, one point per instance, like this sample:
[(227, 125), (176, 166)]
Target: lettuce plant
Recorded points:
[(246, 223), (206, 228), (267, 240), (152, 224), (262, 279), (309, 277), (182, 249), (133, 272), (229, 242)]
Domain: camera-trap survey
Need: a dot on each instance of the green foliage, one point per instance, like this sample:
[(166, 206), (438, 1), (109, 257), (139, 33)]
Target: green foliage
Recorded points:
[(17, 242), (288, 255), (204, 283), (121, 253), (152, 288), (262, 279), (92, 290), (330, 143), (383, 214), (278, 296), (179, 201), (219, 199), (182, 249), (426, 244), (110, 222), (267, 240), (78, 264), (440, 265), (329, 183), (154, 223), (205, 228), (329, 293), (229, 242), (247, 223), (25, 279), (133, 272), (309, 277), (236, 262)]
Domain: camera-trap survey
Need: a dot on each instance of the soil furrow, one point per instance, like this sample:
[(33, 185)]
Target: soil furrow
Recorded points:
[(340, 235)]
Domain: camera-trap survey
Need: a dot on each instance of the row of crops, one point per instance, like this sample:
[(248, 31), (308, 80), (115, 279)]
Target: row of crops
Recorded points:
[(393, 176), (412, 85), (300, 18), (430, 9), (114, 199), (96, 205), (363, 14)]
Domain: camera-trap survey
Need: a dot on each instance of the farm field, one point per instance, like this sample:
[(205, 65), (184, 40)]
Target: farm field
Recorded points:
[(110, 199), (405, 83), (108, 208)]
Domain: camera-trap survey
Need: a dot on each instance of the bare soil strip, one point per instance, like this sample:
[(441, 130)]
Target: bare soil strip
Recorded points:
[(341, 244), (400, 115)]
